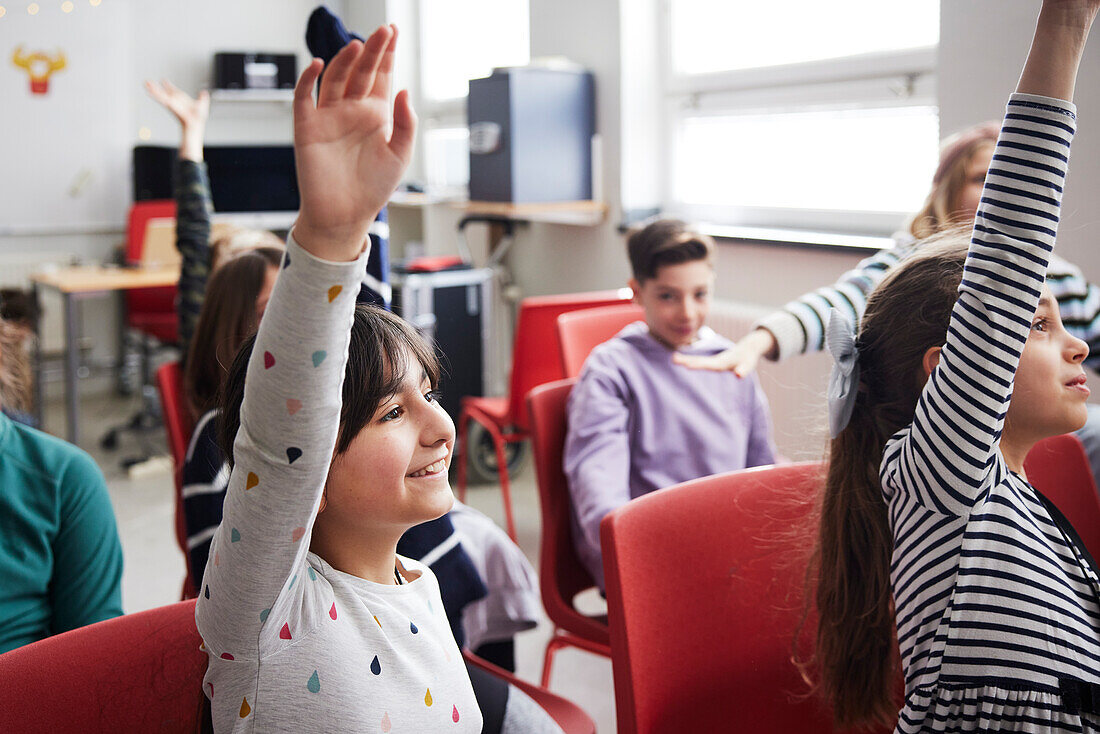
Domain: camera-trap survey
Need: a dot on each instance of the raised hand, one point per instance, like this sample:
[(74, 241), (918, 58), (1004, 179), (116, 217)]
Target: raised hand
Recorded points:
[(350, 150), (1059, 41), (191, 112), (741, 358)]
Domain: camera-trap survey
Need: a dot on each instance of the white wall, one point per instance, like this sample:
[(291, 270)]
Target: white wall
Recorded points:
[(91, 118), (982, 49)]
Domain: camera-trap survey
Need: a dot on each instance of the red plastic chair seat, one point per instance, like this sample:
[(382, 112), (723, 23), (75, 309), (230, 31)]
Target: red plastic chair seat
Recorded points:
[(151, 311), (495, 408), (570, 717), (536, 360), (561, 574), (582, 331), (704, 590), (179, 426), (137, 673)]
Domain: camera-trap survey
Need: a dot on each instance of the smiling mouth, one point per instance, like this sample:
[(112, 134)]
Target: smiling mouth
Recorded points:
[(430, 469)]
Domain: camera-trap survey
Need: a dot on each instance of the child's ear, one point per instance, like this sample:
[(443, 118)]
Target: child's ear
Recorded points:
[(930, 360), (636, 290)]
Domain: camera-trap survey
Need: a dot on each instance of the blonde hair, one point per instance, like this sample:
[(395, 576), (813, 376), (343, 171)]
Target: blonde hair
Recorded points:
[(15, 371), (956, 154), (230, 241)]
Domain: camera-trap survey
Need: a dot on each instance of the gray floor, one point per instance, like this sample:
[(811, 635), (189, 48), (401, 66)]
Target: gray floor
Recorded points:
[(153, 573)]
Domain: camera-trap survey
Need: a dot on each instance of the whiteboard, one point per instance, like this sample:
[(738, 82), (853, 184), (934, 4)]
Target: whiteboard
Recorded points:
[(65, 155)]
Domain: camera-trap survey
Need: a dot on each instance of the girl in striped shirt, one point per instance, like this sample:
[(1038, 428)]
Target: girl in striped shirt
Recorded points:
[(929, 529)]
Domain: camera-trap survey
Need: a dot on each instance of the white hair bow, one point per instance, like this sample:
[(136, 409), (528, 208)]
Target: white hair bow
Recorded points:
[(840, 340)]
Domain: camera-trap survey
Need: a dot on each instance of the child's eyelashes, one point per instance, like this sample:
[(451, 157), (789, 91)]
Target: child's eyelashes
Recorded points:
[(431, 396), (1041, 324)]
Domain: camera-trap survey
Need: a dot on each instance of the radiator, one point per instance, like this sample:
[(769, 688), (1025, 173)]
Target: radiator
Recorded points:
[(795, 388), (16, 269)]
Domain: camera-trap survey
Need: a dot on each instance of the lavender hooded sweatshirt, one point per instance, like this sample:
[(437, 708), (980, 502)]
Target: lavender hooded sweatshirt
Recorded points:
[(638, 422)]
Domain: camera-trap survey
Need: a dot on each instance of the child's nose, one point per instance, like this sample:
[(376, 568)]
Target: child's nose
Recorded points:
[(1078, 349), (438, 427)]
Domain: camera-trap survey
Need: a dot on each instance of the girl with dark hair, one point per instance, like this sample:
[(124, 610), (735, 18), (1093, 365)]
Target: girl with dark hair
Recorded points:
[(489, 588), (310, 618), (929, 532)]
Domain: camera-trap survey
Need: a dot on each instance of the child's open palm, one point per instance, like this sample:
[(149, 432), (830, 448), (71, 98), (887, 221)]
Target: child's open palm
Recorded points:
[(350, 152)]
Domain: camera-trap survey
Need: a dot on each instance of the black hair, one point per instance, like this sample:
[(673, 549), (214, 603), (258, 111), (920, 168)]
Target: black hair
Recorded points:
[(665, 242), (383, 348)]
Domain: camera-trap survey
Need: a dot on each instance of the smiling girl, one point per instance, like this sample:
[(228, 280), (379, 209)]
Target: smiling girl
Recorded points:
[(310, 619)]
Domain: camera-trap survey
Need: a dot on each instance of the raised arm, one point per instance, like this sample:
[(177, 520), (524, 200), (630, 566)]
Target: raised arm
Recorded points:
[(348, 165), (799, 327), (950, 451), (194, 209)]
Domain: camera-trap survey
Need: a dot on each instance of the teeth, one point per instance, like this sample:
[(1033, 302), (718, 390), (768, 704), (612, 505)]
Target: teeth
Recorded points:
[(431, 469)]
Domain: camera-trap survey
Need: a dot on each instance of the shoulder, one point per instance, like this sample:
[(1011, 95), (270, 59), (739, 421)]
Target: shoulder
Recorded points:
[(50, 458)]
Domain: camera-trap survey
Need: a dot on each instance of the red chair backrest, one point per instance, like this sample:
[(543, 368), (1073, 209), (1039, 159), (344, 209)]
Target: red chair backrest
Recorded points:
[(704, 592), (137, 673), (536, 356), (571, 718), (177, 417), (147, 300), (179, 426), (582, 331), (561, 574), (1059, 468)]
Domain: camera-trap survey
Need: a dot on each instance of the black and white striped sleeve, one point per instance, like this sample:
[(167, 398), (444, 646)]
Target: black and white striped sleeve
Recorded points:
[(948, 454)]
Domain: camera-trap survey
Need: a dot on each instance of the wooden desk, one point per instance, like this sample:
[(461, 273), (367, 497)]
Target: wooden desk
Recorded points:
[(78, 283)]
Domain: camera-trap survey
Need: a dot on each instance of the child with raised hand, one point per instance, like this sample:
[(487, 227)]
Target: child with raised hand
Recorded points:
[(310, 619), (929, 529), (200, 255)]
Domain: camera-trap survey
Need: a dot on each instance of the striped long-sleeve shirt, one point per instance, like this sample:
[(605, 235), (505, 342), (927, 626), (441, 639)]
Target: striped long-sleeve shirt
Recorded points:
[(799, 327), (193, 213), (998, 614)]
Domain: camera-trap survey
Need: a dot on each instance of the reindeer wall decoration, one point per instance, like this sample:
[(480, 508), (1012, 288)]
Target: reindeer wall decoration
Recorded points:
[(39, 67)]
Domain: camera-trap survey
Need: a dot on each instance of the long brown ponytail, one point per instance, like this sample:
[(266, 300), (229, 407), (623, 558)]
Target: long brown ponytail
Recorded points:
[(856, 658)]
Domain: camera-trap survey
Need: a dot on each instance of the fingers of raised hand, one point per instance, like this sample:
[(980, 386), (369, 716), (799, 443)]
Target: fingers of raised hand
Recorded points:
[(404, 126), (371, 71), (303, 90), (334, 84)]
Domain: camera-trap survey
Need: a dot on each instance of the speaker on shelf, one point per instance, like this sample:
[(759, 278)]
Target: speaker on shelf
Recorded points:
[(255, 70)]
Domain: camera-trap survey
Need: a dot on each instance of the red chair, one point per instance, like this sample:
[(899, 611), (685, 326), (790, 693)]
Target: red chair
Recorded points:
[(1059, 468), (561, 574), (704, 592), (536, 359), (179, 425), (579, 332), (137, 673), (570, 717), (151, 311)]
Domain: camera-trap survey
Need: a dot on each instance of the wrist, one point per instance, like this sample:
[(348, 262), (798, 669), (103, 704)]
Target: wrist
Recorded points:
[(763, 342), (1072, 21), (335, 244), (191, 146)]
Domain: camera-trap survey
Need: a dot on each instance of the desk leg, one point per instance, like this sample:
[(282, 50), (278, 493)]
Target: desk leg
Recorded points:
[(39, 392), (72, 362)]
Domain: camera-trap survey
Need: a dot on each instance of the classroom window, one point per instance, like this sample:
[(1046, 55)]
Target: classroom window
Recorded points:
[(802, 114), (460, 41)]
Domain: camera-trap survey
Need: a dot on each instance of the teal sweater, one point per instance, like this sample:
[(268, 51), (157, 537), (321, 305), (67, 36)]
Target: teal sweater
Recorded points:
[(60, 557)]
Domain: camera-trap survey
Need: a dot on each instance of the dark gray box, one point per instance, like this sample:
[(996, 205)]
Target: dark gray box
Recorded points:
[(531, 135)]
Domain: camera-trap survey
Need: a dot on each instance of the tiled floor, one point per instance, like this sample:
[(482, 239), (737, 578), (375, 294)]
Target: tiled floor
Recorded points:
[(153, 573)]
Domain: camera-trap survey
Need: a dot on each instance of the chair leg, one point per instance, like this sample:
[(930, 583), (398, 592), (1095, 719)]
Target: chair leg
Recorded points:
[(461, 454), (552, 648), (505, 487)]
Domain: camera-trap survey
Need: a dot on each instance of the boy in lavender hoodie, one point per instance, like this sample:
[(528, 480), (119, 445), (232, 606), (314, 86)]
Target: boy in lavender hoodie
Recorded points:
[(638, 422)]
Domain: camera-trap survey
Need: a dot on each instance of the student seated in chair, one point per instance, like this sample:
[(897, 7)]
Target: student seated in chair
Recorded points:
[(60, 556), (637, 421)]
